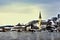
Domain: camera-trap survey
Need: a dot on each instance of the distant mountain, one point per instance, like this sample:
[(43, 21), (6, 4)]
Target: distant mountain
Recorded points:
[(31, 23), (20, 24), (36, 21), (7, 26)]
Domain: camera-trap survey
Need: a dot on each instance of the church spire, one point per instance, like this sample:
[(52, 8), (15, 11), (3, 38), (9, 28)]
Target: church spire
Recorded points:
[(40, 20)]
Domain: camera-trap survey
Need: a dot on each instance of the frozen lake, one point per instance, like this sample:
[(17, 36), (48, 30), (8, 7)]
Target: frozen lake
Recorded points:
[(29, 36)]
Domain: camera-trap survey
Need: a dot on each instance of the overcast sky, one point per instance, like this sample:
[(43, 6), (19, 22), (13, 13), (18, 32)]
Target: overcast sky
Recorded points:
[(23, 11)]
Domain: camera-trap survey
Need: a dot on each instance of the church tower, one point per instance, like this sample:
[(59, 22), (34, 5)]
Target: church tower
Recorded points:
[(40, 19)]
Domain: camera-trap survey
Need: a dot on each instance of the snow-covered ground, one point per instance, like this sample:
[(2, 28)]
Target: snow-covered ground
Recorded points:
[(29, 36)]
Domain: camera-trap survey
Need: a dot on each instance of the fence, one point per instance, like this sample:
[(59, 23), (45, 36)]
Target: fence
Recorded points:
[(29, 36)]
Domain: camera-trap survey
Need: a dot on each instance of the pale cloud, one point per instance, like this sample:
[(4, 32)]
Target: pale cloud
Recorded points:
[(18, 8), (15, 13), (23, 11)]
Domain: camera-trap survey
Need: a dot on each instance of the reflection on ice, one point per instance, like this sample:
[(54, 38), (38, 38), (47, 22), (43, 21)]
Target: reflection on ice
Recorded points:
[(29, 36)]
